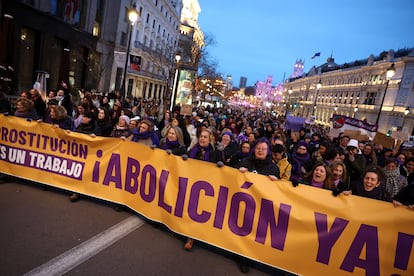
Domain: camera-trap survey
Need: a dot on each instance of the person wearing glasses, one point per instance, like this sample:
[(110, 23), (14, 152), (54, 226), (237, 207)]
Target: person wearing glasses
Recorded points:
[(260, 160)]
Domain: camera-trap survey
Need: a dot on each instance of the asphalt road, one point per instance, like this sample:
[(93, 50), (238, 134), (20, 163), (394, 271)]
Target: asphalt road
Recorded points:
[(43, 233)]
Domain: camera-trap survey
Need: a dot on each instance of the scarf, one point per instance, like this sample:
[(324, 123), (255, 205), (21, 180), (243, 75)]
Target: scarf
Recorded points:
[(391, 181), (170, 144), (317, 184), (242, 155), (196, 152), (118, 127), (297, 162), (146, 135)]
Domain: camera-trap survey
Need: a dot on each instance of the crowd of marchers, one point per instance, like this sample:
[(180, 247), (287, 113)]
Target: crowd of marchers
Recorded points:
[(247, 139)]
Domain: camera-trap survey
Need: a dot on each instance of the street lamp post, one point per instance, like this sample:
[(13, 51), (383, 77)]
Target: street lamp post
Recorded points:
[(132, 17), (390, 74), (175, 83)]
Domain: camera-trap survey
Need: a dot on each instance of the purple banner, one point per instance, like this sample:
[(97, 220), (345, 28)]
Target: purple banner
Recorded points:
[(42, 161), (294, 123)]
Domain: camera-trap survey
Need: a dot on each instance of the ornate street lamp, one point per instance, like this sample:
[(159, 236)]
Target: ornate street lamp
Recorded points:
[(175, 83), (390, 74), (132, 17)]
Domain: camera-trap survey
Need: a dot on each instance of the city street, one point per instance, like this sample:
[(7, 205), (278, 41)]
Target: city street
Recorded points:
[(43, 233)]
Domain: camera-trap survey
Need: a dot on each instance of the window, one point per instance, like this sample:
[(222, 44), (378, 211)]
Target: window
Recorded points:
[(126, 15), (118, 78), (123, 39), (137, 35), (130, 85), (370, 99)]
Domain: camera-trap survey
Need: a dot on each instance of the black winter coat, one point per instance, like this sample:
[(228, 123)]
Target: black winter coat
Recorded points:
[(265, 167)]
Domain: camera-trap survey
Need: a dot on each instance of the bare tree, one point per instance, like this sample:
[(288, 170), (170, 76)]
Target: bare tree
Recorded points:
[(207, 65)]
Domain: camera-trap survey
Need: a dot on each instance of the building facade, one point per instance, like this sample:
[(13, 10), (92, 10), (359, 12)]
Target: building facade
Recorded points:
[(360, 90), (52, 39), (243, 82), (84, 43), (154, 42)]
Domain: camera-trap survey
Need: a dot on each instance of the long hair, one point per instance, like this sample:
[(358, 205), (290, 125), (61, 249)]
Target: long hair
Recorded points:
[(328, 183), (26, 103), (61, 112), (178, 133), (335, 164)]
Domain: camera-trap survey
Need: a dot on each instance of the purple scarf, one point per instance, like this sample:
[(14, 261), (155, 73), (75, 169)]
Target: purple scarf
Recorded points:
[(145, 135), (170, 144), (195, 152), (297, 162), (317, 184)]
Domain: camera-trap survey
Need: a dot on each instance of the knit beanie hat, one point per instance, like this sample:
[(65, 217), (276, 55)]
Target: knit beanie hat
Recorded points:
[(125, 118)]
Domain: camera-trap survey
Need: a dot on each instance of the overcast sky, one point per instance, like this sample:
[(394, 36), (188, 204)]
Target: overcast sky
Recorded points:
[(258, 38)]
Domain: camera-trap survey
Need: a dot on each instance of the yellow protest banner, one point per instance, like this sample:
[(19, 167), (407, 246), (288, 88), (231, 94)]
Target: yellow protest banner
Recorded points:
[(304, 229)]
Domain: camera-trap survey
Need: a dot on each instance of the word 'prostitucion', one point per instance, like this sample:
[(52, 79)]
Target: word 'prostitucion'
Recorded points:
[(44, 142)]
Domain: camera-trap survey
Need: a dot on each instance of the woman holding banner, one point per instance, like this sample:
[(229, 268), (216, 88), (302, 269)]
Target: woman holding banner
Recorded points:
[(146, 134), (25, 109), (59, 117), (320, 177), (371, 185), (259, 161), (174, 141), (204, 150)]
